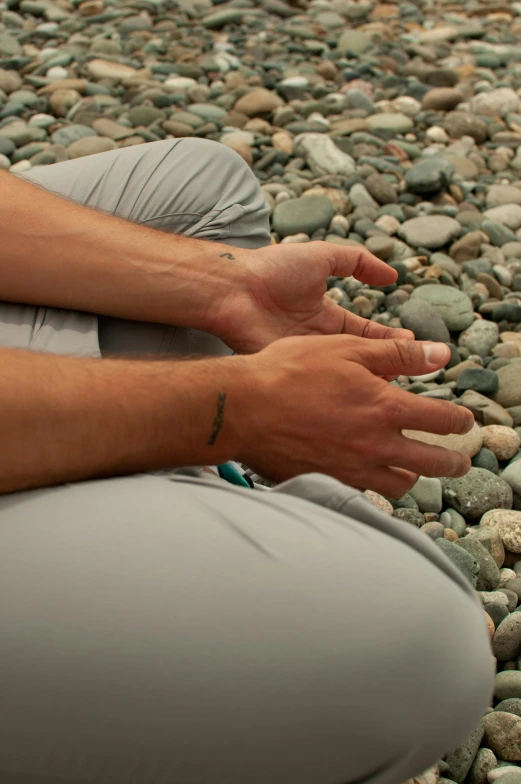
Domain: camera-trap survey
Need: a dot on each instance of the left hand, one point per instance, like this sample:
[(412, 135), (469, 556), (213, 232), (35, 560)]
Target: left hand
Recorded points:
[(283, 295)]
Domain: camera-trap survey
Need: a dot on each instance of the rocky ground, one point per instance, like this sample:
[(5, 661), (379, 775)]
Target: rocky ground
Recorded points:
[(397, 127)]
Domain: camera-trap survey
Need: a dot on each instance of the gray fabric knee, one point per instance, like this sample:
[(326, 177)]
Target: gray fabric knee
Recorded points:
[(179, 630)]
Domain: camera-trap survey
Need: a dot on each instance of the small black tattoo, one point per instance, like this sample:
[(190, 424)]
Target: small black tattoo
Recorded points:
[(227, 256), (219, 418)]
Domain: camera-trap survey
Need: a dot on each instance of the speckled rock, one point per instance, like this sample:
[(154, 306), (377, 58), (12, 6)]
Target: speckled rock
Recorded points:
[(462, 559), (512, 705), (488, 577), (508, 684), (491, 540), (480, 338), (322, 155), (502, 441), (507, 523), (461, 759), (507, 638), (379, 502), (484, 762), (503, 734), (476, 493)]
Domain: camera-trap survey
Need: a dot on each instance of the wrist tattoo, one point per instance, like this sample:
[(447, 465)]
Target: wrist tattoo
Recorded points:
[(227, 256), (219, 418)]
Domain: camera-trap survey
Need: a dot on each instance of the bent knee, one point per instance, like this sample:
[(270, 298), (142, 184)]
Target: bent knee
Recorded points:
[(226, 172)]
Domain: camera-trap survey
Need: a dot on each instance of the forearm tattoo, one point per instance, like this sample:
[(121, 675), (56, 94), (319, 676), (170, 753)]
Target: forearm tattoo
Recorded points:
[(219, 418), (227, 256)]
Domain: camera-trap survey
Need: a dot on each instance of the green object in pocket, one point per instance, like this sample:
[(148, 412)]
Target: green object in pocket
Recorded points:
[(229, 473)]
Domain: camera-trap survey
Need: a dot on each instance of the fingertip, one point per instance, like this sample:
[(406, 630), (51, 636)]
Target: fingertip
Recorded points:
[(393, 273), (468, 422), (436, 354), (466, 465)]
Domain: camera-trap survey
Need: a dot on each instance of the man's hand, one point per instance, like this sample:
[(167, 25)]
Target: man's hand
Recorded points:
[(283, 295), (317, 404), (299, 405)]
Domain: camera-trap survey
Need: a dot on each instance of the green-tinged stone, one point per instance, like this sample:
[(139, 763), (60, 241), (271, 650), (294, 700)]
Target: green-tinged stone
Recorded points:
[(302, 215)]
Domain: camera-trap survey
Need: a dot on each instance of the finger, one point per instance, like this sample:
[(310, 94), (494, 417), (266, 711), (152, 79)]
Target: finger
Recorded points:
[(412, 412), (398, 357), (363, 328), (427, 459), (391, 482), (362, 265)]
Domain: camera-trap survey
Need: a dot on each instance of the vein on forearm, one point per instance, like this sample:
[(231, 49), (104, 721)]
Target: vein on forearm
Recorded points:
[(60, 254)]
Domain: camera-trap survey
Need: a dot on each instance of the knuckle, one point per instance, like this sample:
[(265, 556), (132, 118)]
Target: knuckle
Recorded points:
[(401, 355), (449, 463), (441, 466), (358, 262), (393, 411), (446, 415)]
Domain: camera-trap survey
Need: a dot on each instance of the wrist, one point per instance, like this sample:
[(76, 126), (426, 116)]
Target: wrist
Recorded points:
[(189, 283)]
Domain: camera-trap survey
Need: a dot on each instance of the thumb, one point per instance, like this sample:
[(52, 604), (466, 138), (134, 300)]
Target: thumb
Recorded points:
[(399, 357)]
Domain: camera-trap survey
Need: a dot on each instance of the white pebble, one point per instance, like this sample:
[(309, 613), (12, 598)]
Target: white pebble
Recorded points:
[(20, 167), (437, 134), (48, 27), (503, 275), (412, 263), (487, 597), (179, 83), (388, 223), (223, 46), (506, 576), (335, 294), (318, 118), (426, 376), (301, 237), (57, 72), (47, 52), (42, 120), (495, 774), (4, 162), (295, 81), (342, 221)]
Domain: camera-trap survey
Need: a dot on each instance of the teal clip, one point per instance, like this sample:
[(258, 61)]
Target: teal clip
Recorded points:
[(226, 471)]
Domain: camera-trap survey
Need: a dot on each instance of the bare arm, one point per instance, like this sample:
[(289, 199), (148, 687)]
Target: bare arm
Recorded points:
[(59, 254), (64, 419)]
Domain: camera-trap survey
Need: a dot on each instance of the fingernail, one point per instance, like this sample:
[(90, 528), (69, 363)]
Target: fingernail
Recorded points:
[(436, 353)]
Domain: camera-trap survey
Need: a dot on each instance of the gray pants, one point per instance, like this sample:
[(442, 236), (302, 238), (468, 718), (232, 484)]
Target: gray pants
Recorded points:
[(178, 630)]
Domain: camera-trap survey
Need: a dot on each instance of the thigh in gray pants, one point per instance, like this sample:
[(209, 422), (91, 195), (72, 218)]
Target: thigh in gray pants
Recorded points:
[(176, 630)]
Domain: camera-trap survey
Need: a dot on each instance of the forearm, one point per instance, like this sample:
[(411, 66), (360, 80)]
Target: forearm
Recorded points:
[(60, 254), (64, 419)]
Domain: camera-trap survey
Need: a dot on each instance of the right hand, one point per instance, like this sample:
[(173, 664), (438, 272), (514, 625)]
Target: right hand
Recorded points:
[(321, 404)]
